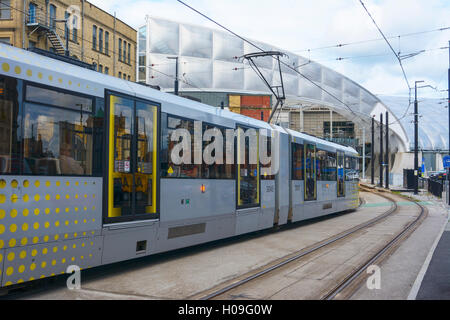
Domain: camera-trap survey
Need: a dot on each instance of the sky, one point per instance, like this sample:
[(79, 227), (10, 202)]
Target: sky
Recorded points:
[(301, 26)]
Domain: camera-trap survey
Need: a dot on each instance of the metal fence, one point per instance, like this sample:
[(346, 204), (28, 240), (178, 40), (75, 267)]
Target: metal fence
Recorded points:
[(435, 187)]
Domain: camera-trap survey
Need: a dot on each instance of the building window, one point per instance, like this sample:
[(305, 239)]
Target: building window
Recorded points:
[(100, 40), (31, 12), (124, 76), (106, 42), (74, 28), (120, 75), (52, 16), (124, 51), (66, 25), (5, 9), (106, 70), (5, 40), (100, 68), (120, 49), (129, 53), (94, 37), (129, 78)]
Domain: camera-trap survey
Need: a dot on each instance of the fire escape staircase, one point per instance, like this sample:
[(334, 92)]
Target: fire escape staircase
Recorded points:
[(39, 23)]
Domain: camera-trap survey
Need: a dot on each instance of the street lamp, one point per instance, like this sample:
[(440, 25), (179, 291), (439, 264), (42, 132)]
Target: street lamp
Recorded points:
[(176, 73)]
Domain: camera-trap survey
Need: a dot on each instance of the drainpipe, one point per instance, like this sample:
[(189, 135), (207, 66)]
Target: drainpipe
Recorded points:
[(24, 23), (82, 30), (114, 46)]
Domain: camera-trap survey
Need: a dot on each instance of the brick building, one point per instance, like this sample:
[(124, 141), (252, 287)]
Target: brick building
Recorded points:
[(93, 35)]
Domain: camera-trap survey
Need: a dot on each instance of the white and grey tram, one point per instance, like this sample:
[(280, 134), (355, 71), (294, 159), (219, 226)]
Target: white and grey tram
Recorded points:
[(86, 178)]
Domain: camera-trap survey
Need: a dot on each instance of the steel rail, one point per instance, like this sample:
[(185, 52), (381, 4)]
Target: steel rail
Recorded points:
[(354, 275), (320, 245)]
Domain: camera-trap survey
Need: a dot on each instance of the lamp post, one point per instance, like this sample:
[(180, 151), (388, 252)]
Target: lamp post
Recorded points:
[(416, 140), (176, 74)]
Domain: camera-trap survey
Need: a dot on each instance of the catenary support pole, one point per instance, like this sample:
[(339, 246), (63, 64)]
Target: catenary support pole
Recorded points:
[(381, 151)]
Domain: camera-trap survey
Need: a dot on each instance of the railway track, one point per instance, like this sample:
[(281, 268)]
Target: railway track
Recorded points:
[(348, 283)]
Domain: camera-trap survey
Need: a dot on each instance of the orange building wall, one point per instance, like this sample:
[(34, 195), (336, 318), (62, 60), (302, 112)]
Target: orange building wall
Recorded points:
[(251, 106)]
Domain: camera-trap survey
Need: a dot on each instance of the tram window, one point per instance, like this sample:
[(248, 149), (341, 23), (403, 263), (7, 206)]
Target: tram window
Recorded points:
[(351, 169), (58, 141), (297, 161), (58, 99), (186, 169), (10, 140), (266, 169), (326, 166), (215, 167), (248, 172)]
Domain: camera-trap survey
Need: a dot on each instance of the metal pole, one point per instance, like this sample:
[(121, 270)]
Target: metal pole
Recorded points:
[(372, 162), (448, 170), (381, 151), (176, 76), (416, 142), (387, 150), (364, 155)]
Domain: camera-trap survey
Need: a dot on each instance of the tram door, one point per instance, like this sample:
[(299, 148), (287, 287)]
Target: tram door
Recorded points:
[(133, 159), (340, 175), (310, 173)]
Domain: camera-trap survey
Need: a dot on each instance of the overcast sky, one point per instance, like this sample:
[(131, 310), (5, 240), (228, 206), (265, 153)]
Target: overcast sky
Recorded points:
[(298, 25)]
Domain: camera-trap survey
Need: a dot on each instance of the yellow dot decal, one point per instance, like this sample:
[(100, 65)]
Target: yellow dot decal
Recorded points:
[(36, 239), (34, 253), (63, 260), (25, 212), (58, 183), (67, 197), (1, 257), (11, 256), (70, 83), (48, 184), (2, 183), (2, 229), (47, 225), (14, 213), (65, 248), (43, 264), (24, 241), (67, 210), (44, 251), (12, 243), (47, 211), (36, 225), (5, 67), (58, 197), (60, 80), (56, 223), (17, 70), (47, 197), (32, 266), (23, 254), (26, 198), (2, 214), (29, 73), (2, 198), (14, 198), (55, 249), (13, 228), (14, 184), (40, 75), (37, 183), (53, 262), (21, 269), (67, 183), (37, 198), (10, 271), (25, 227), (56, 237), (50, 78), (46, 238), (37, 211), (2, 244), (26, 183), (57, 210)]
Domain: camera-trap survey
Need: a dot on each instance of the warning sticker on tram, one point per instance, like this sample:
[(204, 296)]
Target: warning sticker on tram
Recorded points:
[(170, 171), (127, 166)]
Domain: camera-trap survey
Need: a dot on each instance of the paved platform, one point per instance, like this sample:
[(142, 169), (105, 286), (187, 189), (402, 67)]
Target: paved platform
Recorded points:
[(436, 282)]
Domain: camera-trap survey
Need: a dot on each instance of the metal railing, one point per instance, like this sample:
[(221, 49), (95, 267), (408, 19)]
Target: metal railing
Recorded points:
[(435, 187)]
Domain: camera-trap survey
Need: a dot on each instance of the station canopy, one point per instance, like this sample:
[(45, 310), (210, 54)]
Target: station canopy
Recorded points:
[(209, 61)]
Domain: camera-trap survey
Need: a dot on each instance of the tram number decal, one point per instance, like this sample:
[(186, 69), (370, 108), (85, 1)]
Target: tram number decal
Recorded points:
[(270, 189)]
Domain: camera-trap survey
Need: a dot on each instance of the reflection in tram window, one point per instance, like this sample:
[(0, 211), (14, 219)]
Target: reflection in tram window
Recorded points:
[(168, 168), (326, 166), (267, 171), (219, 169), (57, 141), (310, 172), (248, 174), (351, 169), (9, 126), (340, 175), (297, 161)]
